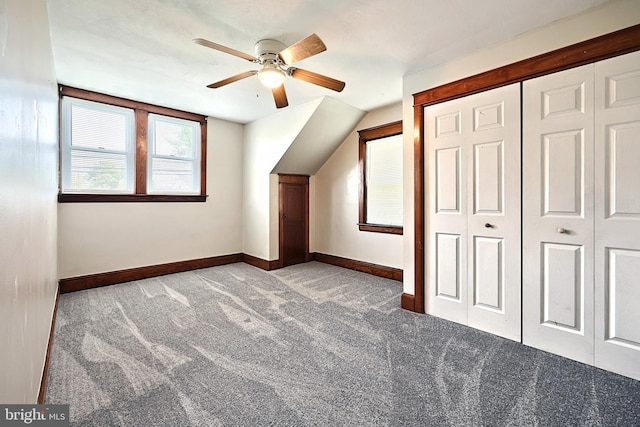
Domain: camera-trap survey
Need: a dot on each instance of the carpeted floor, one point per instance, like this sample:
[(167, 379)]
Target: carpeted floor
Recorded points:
[(307, 345)]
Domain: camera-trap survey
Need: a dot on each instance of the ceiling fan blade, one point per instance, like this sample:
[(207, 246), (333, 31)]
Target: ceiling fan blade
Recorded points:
[(317, 79), (232, 79), (225, 49), (280, 96), (305, 48)]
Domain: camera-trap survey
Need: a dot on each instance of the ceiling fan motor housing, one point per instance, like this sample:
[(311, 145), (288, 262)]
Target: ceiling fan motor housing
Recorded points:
[(267, 50)]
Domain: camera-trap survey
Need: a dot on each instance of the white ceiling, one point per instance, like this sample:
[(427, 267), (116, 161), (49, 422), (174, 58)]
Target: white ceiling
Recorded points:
[(143, 49)]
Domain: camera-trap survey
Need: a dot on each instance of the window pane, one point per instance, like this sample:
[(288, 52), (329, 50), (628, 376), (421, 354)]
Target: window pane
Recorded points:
[(384, 181), (172, 175), (173, 139), (91, 170), (94, 128)]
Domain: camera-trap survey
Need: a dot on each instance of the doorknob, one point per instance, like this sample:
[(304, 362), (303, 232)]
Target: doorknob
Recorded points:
[(561, 230)]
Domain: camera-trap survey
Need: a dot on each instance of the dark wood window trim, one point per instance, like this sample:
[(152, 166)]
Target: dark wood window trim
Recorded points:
[(141, 111), (366, 135), (607, 46)]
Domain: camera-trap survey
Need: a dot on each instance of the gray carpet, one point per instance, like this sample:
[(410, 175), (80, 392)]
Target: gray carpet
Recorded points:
[(307, 345)]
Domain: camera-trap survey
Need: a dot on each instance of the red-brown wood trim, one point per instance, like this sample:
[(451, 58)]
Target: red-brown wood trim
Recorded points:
[(307, 255), (382, 131), (203, 158), (362, 188), (407, 302), (365, 267), (389, 229), (286, 179), (127, 198), (90, 281), (45, 371), (293, 179), (586, 52), (141, 151), (607, 46), (366, 135), (128, 103), (418, 208), (262, 264)]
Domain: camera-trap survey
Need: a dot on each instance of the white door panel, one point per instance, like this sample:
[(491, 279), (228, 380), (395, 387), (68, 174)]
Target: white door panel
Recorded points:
[(563, 287), (493, 197), (473, 211), (558, 213), (562, 173), (617, 219), (446, 290)]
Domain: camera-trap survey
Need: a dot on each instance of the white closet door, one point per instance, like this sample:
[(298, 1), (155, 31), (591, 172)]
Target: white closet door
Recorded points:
[(617, 219), (493, 201), (473, 225), (447, 210), (558, 213)]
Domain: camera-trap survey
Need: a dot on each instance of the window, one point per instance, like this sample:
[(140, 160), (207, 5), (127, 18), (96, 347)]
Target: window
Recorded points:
[(173, 155), (380, 152), (118, 150), (98, 147)]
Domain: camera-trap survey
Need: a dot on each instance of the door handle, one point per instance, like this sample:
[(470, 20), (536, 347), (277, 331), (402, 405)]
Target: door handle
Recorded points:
[(284, 216)]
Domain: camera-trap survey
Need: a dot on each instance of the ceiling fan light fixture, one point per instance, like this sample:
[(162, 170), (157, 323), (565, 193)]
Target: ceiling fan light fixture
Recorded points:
[(271, 76)]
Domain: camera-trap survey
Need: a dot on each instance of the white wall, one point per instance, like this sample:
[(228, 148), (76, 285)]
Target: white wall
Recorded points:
[(28, 157), (334, 230), (100, 237), (610, 17)]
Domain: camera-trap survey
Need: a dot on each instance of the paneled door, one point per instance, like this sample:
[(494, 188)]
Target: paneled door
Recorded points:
[(474, 211), (294, 219), (447, 210), (558, 213), (617, 215), (581, 214)]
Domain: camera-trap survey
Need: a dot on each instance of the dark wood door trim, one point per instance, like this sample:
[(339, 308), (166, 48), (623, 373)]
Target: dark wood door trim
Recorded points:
[(284, 180), (607, 46)]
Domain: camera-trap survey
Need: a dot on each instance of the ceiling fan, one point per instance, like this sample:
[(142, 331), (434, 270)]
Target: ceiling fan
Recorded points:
[(276, 60)]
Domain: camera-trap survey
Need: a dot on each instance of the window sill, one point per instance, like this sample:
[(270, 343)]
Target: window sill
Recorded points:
[(376, 228), (128, 198)]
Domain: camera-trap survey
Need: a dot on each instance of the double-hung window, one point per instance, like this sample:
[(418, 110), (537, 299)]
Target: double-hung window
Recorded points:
[(98, 149), (173, 155), (118, 150), (381, 179)]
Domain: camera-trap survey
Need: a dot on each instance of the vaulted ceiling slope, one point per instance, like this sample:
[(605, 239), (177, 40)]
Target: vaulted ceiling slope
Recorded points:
[(143, 49), (322, 134)]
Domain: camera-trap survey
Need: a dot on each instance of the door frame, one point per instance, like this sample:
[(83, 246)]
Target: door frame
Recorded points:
[(593, 50), (283, 181)]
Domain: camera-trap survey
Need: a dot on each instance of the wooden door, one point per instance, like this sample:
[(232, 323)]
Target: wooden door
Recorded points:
[(294, 219), (558, 116), (473, 149), (617, 215)]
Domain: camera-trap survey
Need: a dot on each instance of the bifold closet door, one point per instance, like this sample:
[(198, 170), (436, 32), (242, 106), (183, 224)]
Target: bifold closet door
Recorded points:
[(473, 211), (617, 216), (581, 214), (558, 213)]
